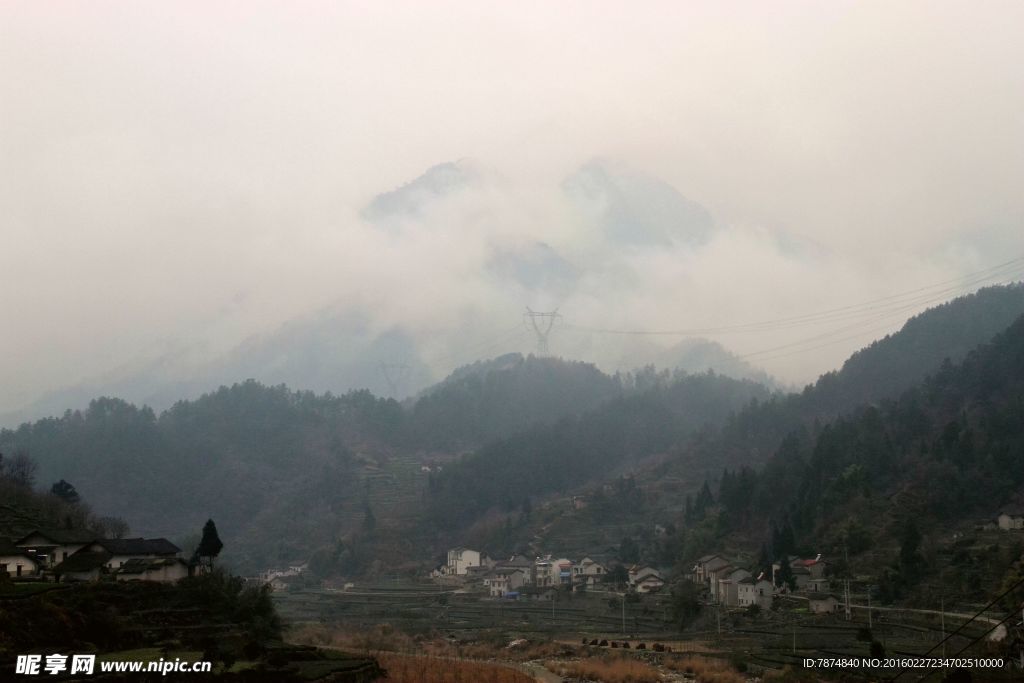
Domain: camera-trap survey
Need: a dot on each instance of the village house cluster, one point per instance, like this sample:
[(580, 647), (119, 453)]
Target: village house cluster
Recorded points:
[(282, 579), (78, 555), (510, 578), (730, 585)]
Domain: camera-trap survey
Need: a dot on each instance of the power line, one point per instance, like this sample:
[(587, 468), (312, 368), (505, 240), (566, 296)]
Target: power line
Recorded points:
[(980, 613), (1008, 270), (541, 323), (868, 315), (1011, 615)]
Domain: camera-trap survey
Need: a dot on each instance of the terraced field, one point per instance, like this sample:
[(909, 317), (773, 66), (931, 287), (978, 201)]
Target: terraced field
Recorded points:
[(770, 641), (419, 608)]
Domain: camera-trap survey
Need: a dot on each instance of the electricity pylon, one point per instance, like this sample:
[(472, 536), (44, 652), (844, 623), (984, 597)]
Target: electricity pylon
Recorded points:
[(542, 323), (395, 375)]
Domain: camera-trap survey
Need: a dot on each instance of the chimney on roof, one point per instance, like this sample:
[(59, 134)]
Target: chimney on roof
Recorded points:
[(818, 558)]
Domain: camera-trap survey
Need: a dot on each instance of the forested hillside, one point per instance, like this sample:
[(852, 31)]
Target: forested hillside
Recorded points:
[(26, 503), (496, 398), (249, 456), (887, 367), (778, 431), (507, 473), (947, 453), (286, 473), (883, 370)]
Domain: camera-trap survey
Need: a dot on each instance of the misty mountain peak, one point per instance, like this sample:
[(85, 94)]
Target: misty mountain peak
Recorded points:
[(633, 208), (410, 199)]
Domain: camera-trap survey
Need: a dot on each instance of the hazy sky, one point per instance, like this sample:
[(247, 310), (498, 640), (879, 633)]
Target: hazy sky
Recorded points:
[(192, 173)]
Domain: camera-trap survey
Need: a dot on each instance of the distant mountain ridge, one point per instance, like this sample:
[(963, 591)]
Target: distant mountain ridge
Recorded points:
[(342, 346), (750, 435), (414, 196)]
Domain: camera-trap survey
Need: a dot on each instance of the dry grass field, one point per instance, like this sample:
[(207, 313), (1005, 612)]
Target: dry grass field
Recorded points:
[(705, 669), (435, 659), (607, 669), (425, 669)]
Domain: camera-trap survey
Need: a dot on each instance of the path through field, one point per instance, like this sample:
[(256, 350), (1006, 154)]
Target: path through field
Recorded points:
[(540, 672)]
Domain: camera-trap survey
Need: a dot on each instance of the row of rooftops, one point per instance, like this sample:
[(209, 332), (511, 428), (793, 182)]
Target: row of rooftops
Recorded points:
[(722, 567), (89, 552), (86, 561)]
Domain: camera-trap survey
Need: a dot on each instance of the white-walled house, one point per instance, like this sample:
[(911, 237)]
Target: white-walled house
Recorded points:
[(824, 604), (809, 574), (122, 550), (544, 571), (645, 579), (638, 571), (648, 582), (518, 562), (16, 563), (728, 587), (751, 591), (548, 571), (706, 565), (128, 559), (161, 570), (1011, 520), (504, 581), (53, 546), (714, 580), (588, 572), (84, 565), (461, 559)]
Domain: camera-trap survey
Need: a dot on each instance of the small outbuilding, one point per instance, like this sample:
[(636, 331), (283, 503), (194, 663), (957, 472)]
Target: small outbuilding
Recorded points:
[(1011, 520), (824, 604)]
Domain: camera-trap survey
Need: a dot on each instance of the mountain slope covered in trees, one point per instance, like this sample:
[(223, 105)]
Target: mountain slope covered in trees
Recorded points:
[(508, 472), (491, 399), (887, 367), (878, 372), (944, 454), (285, 472), (664, 420)]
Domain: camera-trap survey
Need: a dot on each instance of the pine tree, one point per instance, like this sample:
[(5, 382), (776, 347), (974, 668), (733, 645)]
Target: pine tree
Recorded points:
[(785, 577), (65, 492), (210, 545)]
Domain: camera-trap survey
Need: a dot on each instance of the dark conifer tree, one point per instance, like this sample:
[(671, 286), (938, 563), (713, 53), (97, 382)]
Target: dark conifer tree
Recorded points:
[(65, 492), (210, 545)]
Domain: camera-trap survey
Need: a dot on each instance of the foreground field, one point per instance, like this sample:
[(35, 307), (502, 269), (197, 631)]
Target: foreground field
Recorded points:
[(437, 659), (418, 619), (425, 669)]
